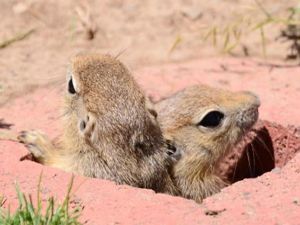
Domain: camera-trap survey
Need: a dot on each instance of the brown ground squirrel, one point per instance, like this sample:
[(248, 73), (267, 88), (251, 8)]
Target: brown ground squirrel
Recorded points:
[(110, 130), (202, 125)]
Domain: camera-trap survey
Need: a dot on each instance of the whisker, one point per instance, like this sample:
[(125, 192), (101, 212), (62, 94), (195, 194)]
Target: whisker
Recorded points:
[(253, 156), (249, 162), (257, 155), (121, 53), (248, 157), (233, 177), (265, 147), (64, 114)]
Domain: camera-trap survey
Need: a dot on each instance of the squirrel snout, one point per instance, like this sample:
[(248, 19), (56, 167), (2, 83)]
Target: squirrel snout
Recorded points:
[(247, 115), (247, 118)]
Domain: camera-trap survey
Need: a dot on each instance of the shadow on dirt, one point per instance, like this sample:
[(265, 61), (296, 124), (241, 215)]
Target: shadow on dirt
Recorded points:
[(4, 125)]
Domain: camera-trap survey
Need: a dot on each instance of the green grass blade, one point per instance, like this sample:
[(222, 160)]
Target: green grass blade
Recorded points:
[(28, 214)]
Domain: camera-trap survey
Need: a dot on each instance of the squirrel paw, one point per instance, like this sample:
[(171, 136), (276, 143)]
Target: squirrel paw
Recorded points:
[(36, 142)]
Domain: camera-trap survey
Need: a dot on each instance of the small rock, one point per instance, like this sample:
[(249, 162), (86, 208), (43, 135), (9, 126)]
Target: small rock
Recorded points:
[(276, 170), (296, 201), (192, 13)]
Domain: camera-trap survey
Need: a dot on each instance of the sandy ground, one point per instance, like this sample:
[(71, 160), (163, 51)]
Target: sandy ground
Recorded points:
[(272, 198), (142, 32), (163, 43)]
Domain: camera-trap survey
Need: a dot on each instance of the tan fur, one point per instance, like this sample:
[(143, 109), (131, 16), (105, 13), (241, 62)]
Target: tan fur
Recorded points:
[(109, 132), (198, 149)]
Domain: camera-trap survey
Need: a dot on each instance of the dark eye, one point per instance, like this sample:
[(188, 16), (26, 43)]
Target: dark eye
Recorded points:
[(71, 88), (212, 119)]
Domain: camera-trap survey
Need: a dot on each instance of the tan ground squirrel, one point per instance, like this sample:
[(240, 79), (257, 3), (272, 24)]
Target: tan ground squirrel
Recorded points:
[(203, 124), (110, 130)]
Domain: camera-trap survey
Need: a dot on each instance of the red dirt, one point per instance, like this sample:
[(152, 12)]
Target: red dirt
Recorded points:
[(147, 30), (272, 198)]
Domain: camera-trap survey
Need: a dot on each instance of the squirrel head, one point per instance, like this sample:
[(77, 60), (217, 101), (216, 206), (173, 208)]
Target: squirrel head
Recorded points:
[(107, 103), (203, 123)]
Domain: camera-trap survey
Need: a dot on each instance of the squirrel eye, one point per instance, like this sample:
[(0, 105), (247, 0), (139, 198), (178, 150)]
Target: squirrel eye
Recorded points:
[(211, 119), (71, 88)]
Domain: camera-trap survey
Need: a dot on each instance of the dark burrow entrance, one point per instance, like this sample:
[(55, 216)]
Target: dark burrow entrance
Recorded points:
[(268, 146)]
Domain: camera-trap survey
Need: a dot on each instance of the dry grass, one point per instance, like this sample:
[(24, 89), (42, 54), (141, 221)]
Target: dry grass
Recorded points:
[(228, 36)]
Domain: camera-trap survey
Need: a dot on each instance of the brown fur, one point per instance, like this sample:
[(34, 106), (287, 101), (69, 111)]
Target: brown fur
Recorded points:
[(198, 148), (109, 132)]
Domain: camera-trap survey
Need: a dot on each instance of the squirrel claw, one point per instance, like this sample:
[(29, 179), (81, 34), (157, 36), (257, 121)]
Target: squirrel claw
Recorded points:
[(34, 141)]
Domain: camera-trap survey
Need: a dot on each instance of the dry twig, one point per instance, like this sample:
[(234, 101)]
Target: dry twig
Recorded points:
[(18, 37)]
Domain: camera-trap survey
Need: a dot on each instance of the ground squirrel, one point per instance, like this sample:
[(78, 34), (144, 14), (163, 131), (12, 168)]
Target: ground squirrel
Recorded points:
[(202, 124), (110, 130)]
